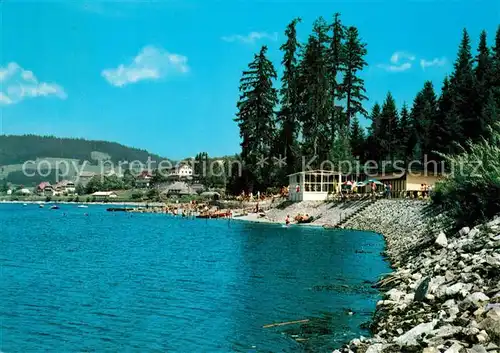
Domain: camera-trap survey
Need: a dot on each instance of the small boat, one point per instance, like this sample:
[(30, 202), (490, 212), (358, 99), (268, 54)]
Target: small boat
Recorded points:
[(54, 207), (25, 204), (41, 205), (83, 206)]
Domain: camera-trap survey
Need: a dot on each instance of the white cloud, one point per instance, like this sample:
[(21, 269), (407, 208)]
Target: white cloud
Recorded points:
[(150, 64), (395, 68), (17, 84), (397, 56), (251, 37), (400, 61), (434, 62)]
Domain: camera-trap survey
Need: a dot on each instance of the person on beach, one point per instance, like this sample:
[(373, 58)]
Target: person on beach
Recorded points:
[(287, 220)]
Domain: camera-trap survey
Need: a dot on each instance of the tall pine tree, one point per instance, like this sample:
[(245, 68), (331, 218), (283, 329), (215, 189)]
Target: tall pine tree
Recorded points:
[(373, 143), (337, 66), (288, 117), (256, 119), (463, 87), (357, 139), (388, 135), (353, 86), (315, 94)]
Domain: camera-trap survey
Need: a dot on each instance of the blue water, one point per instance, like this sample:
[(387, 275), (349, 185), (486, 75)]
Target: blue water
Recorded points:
[(115, 282)]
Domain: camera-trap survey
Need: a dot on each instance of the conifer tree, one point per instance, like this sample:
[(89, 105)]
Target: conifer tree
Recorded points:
[(388, 128), (406, 135), (483, 75), (373, 145), (496, 69), (462, 85), (336, 66), (449, 128), (353, 86), (424, 118), (288, 116), (315, 94), (357, 139), (256, 118)]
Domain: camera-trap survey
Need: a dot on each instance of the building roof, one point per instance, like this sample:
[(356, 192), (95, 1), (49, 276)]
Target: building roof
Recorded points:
[(43, 185), (104, 193), (178, 187), (318, 171), (87, 174)]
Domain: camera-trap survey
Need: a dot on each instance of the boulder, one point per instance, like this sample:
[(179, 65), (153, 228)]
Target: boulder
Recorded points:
[(476, 298), (493, 260), (430, 350), (492, 324), (376, 348), (464, 231), (410, 338), (455, 348), (477, 349), (441, 240), (458, 288)]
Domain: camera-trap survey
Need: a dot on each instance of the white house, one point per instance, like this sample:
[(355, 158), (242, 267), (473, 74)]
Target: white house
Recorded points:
[(312, 185), (183, 171)]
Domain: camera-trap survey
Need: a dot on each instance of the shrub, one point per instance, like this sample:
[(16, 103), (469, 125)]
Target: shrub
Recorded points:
[(136, 195), (470, 194)]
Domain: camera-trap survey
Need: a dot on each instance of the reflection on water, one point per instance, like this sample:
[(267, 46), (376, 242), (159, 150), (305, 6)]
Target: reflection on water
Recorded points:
[(151, 283)]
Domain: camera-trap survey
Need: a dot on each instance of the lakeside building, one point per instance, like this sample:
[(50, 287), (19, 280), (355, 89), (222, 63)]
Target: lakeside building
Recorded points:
[(64, 187), (104, 195), (317, 185), (45, 189), (313, 185), (408, 181), (178, 189)]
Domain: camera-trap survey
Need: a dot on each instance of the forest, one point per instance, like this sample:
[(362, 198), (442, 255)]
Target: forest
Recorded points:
[(18, 149), (314, 109)]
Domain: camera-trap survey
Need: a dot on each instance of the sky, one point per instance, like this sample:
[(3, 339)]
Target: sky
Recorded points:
[(164, 75)]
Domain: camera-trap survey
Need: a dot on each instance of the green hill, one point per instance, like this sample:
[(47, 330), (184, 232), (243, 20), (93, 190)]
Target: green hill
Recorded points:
[(18, 149)]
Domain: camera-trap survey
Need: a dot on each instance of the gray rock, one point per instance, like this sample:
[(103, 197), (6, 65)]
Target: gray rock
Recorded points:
[(455, 348), (473, 232), (410, 338), (493, 260), (458, 288), (477, 349), (430, 350), (441, 240), (464, 231), (476, 298), (376, 348)]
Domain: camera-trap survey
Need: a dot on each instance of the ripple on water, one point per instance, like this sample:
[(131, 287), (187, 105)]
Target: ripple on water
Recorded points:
[(152, 283)]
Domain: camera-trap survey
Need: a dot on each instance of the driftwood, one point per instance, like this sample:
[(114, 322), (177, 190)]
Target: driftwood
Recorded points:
[(286, 323)]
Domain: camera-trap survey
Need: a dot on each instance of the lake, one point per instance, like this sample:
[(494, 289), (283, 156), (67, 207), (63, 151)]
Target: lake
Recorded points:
[(119, 282)]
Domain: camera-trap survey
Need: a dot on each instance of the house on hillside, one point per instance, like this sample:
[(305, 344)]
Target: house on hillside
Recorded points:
[(104, 195), (143, 180), (181, 172), (45, 189), (64, 187)]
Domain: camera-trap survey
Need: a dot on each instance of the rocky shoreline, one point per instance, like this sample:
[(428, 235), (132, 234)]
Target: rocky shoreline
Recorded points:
[(444, 293)]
